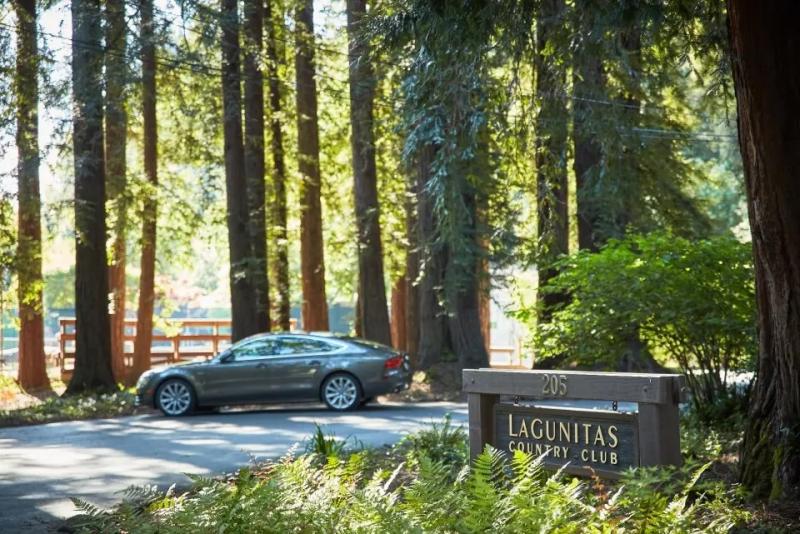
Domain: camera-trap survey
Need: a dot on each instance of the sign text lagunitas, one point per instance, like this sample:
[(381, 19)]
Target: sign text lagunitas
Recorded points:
[(606, 442)]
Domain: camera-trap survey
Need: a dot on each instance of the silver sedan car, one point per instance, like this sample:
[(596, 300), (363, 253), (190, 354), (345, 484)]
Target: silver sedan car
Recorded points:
[(342, 372)]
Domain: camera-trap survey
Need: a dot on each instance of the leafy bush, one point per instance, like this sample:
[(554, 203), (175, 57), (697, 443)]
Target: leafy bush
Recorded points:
[(444, 442), (692, 301), (348, 494), (323, 445)]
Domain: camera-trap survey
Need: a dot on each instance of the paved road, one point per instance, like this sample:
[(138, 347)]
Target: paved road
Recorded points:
[(42, 466)]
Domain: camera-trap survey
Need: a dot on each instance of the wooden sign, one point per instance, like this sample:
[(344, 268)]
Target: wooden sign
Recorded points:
[(602, 442)]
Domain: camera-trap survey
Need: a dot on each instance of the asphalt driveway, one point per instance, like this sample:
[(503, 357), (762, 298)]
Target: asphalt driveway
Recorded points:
[(42, 466)]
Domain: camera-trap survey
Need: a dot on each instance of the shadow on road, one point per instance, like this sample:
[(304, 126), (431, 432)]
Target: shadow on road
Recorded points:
[(44, 465)]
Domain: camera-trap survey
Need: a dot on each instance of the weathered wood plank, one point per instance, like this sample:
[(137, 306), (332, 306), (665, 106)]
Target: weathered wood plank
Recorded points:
[(481, 421), (659, 434), (580, 385)]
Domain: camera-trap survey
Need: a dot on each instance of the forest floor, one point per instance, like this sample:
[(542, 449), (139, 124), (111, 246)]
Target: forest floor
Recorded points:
[(442, 382), (18, 407), (14, 398)]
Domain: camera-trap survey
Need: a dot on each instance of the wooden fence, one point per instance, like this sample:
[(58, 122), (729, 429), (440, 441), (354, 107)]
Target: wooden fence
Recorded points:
[(190, 339), (179, 340)]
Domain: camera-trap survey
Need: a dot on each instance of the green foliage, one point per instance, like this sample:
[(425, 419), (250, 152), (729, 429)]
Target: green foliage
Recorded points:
[(692, 301), (71, 408), (444, 443), (323, 445), (497, 494), (450, 118)]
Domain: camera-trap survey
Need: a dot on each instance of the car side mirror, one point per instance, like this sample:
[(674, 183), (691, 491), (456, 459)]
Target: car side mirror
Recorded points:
[(226, 358)]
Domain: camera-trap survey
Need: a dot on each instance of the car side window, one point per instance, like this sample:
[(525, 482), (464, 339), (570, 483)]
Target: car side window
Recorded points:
[(297, 345), (254, 350)]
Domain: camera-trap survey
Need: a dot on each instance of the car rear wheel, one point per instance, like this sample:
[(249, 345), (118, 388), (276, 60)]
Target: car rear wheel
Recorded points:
[(175, 398), (341, 392)]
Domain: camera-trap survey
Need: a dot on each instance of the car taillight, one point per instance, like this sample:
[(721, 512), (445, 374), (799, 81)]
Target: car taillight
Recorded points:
[(394, 362)]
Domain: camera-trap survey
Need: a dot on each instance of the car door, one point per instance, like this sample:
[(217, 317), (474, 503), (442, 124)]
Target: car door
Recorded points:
[(295, 370), (243, 376)]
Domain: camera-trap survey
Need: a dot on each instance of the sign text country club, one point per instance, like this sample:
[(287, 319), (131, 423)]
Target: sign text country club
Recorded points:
[(603, 441)]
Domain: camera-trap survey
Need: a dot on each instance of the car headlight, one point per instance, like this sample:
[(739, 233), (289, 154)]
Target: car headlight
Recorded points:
[(144, 378)]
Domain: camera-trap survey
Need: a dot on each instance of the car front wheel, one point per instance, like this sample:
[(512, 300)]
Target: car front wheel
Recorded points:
[(175, 397), (341, 392)]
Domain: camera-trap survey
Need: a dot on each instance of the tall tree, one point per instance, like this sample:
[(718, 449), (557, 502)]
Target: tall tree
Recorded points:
[(411, 276), (762, 36), (551, 145), (93, 333), (116, 168), (280, 251), (312, 261), (399, 311), (372, 311), (432, 258), (254, 158), (243, 312), (32, 369), (588, 86), (144, 317)]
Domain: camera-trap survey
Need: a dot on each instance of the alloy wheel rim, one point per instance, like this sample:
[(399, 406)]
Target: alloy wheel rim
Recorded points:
[(174, 398), (341, 392)]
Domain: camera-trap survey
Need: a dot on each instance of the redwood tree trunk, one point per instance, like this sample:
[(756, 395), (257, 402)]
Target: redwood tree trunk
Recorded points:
[(763, 35), (588, 83), (243, 312), (433, 259), (398, 322), (464, 300), (254, 157), (280, 253), (32, 369), (312, 261), (485, 307), (93, 333), (116, 168), (411, 275), (373, 315), (144, 317), (551, 148)]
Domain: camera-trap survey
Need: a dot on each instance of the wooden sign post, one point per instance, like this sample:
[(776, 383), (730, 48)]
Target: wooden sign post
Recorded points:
[(605, 442)]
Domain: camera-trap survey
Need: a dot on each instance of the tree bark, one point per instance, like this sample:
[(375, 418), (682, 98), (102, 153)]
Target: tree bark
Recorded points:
[(464, 299), (374, 316), (243, 312), (485, 307), (254, 157), (588, 83), (398, 322), (762, 36), (143, 341), (312, 260), (551, 150), (32, 367), (280, 253), (116, 169), (411, 276), (93, 333), (432, 258)]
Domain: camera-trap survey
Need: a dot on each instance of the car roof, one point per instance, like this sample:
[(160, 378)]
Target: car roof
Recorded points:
[(326, 335)]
